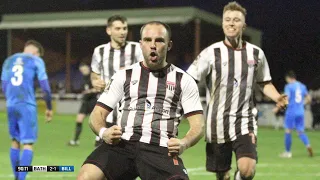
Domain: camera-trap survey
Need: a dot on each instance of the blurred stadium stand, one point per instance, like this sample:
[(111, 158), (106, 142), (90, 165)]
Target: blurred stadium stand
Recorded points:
[(70, 37)]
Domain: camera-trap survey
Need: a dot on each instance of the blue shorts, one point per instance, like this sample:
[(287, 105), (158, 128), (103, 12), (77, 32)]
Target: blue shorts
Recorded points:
[(23, 123), (294, 121)]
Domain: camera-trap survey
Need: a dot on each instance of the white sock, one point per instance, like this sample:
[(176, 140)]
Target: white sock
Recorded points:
[(237, 176)]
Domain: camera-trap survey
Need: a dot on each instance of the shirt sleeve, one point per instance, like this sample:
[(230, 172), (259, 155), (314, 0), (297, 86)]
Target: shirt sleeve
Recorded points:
[(200, 67), (287, 91), (41, 69), (113, 92), (4, 73), (139, 56), (95, 62), (263, 71), (190, 99)]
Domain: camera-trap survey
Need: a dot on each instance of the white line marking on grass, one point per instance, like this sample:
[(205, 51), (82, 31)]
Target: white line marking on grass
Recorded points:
[(196, 169)]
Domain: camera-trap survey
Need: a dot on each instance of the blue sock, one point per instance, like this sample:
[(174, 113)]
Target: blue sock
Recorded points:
[(14, 157), (26, 160), (304, 138), (287, 141)]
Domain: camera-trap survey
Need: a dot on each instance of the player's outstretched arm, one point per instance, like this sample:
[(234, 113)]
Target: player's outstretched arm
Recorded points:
[(269, 90), (195, 133), (97, 82)]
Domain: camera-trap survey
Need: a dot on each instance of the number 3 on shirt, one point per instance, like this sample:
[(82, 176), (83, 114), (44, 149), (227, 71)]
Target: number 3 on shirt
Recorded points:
[(18, 78)]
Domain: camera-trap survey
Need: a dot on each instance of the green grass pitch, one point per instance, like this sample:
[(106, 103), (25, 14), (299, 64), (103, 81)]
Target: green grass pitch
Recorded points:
[(51, 149)]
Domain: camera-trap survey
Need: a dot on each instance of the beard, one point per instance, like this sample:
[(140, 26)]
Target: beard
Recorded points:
[(153, 64)]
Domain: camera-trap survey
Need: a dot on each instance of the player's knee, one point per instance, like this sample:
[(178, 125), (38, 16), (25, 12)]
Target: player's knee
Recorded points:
[(247, 168), (80, 118), (83, 176), (90, 172), (247, 173), (28, 146), (288, 131), (15, 144)]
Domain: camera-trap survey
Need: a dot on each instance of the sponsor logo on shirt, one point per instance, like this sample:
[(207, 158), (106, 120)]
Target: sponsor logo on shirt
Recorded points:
[(171, 86)]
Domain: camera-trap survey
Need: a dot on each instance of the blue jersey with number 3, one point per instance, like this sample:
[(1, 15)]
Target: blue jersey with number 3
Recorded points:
[(19, 71), (296, 93)]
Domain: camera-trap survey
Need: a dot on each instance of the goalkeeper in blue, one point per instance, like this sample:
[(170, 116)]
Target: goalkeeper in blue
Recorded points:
[(294, 116), (18, 74)]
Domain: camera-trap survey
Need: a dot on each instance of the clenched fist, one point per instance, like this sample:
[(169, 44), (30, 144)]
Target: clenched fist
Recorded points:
[(99, 84), (176, 146), (112, 135), (282, 102)]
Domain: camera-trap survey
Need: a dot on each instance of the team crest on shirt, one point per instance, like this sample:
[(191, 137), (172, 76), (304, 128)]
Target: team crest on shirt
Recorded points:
[(251, 63), (18, 61), (171, 85)]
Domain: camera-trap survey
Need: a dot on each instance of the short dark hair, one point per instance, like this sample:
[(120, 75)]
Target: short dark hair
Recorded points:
[(116, 18), (291, 74), (36, 44), (159, 23), (83, 64)]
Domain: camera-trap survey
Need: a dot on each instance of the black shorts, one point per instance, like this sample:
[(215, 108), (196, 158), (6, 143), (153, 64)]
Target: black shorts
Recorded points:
[(128, 160), (87, 106), (219, 156)]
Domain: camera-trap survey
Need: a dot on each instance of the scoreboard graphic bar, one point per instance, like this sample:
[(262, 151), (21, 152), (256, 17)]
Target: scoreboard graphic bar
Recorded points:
[(44, 168)]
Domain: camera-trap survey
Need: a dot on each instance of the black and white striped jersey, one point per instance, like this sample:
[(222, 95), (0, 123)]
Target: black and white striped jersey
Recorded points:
[(107, 60), (152, 102), (230, 75)]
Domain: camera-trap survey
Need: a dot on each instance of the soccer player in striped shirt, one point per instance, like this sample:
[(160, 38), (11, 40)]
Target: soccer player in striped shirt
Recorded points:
[(109, 58), (18, 74), (230, 68), (154, 95), (294, 115)]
